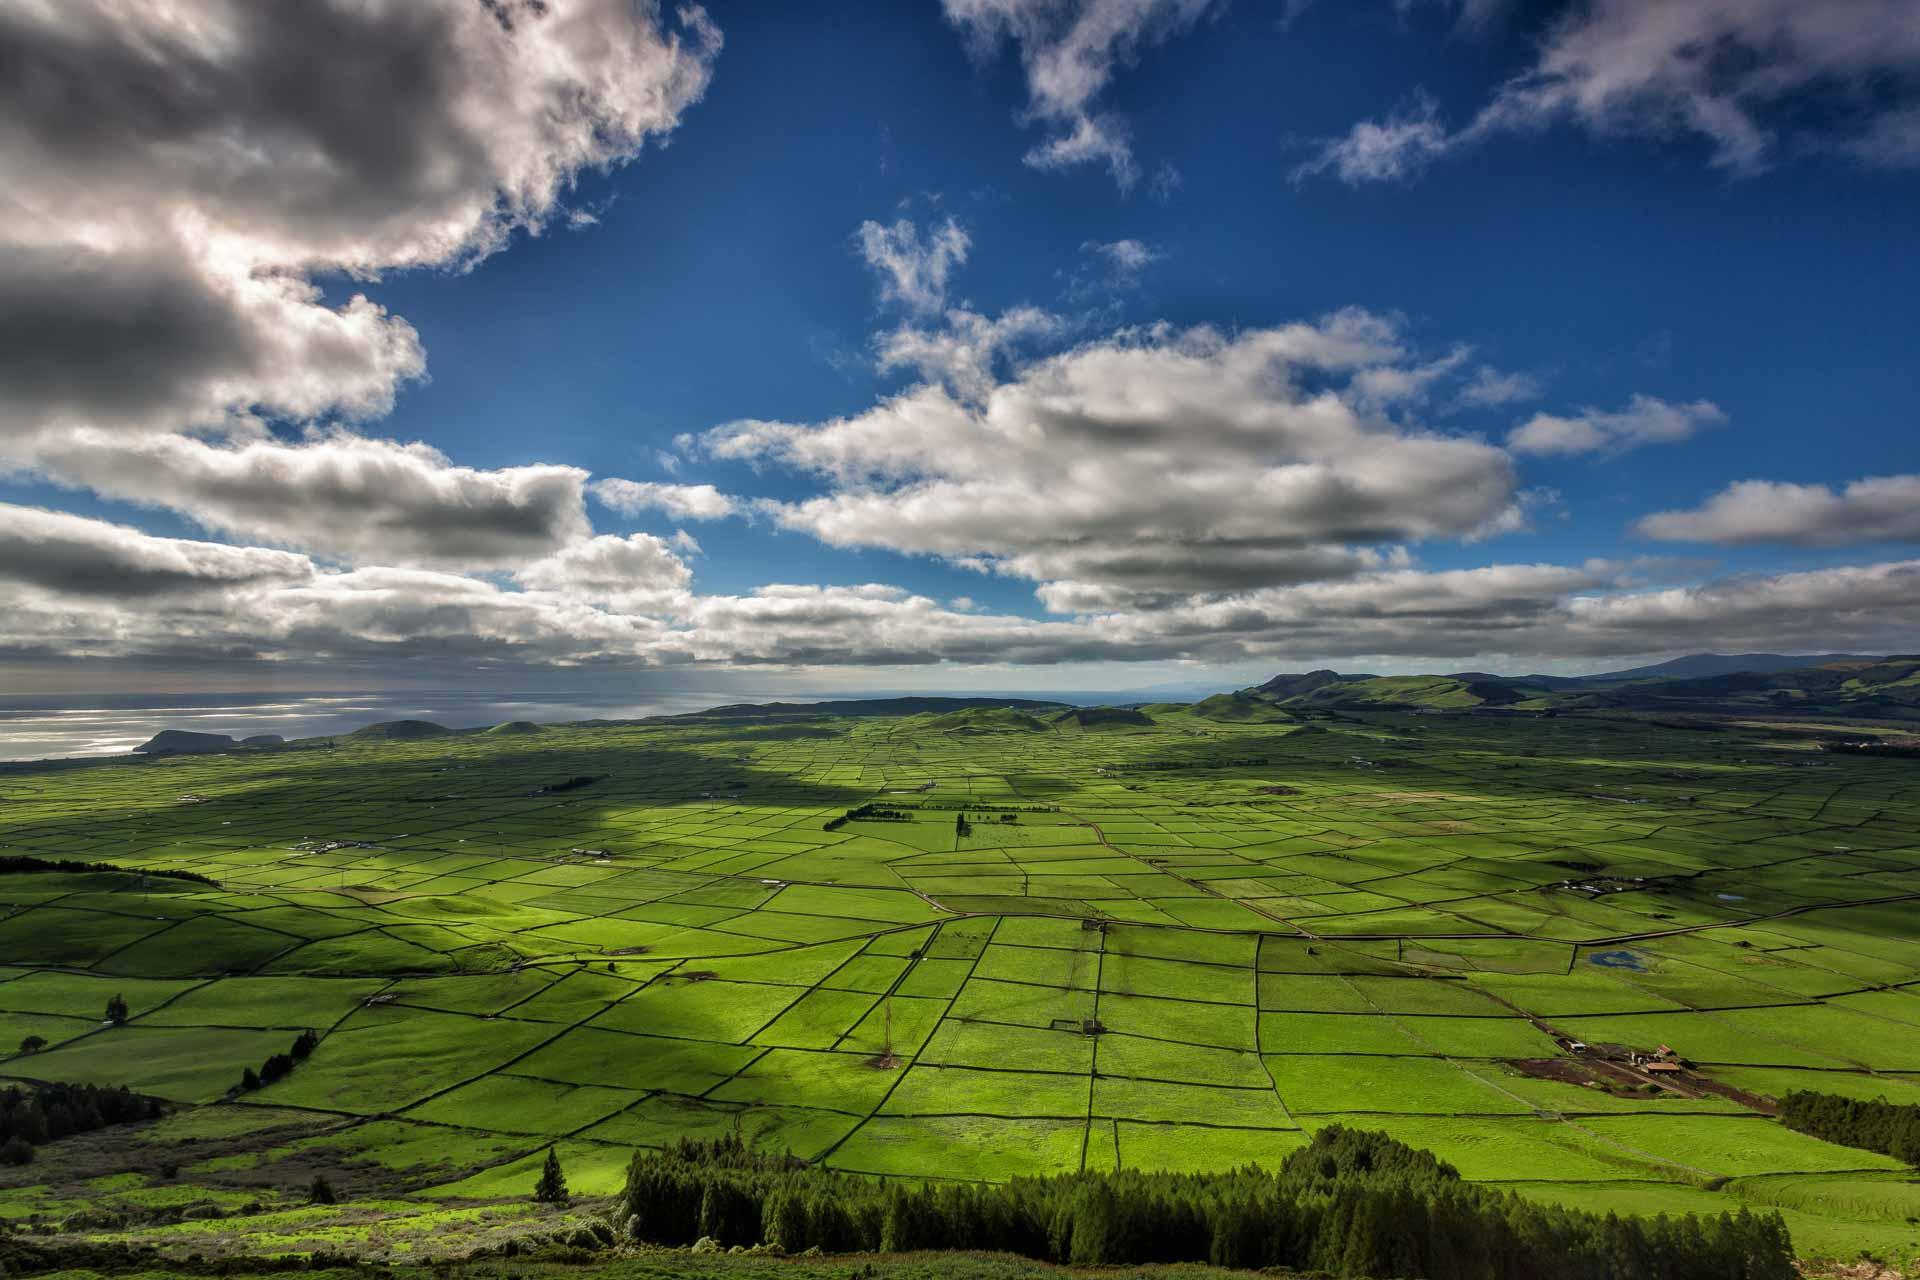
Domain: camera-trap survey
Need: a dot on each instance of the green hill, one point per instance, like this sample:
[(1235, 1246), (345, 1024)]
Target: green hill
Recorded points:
[(1104, 718), (513, 727), (1445, 692), (1239, 708), (985, 720), (1887, 688), (400, 731), (184, 742)]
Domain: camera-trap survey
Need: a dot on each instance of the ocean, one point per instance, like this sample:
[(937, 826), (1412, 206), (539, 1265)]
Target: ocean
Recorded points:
[(43, 726)]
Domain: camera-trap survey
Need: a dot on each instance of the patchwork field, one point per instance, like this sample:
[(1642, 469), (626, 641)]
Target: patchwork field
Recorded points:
[(1045, 945)]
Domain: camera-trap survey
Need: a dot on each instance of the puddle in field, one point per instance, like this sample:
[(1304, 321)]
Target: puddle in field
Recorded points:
[(1618, 960)]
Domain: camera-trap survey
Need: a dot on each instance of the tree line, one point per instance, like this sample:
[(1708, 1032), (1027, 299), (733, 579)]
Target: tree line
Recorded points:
[(279, 1065), (866, 813), (42, 1113), (23, 864), (1891, 1128), (1351, 1202)]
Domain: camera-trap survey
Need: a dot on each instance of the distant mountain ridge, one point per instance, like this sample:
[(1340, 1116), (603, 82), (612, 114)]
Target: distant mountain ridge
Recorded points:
[(1720, 664), (909, 706), (1817, 684)]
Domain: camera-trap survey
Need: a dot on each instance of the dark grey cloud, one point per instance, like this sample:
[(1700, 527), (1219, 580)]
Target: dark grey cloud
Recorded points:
[(338, 495), (73, 556)]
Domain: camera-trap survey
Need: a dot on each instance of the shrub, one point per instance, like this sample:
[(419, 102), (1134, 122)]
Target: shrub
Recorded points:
[(16, 1150)]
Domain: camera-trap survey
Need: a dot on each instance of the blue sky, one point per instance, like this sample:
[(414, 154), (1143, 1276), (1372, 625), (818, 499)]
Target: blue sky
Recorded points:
[(1591, 266)]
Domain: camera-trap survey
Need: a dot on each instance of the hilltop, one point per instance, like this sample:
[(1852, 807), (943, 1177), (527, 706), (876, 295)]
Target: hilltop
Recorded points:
[(185, 742), (985, 720), (400, 731), (908, 706), (1105, 718)]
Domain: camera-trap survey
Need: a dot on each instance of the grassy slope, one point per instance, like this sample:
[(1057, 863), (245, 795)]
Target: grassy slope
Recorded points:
[(682, 948)]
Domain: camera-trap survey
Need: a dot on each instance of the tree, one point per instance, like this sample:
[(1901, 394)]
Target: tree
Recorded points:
[(321, 1192), (249, 1079), (16, 1150), (117, 1009), (305, 1045), (33, 1044), (552, 1187)]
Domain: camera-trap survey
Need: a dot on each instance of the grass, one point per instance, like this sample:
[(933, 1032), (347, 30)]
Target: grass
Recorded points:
[(1266, 935)]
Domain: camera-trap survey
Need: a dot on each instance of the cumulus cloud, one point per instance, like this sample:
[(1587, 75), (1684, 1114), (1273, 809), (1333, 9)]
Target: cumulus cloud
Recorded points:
[(1150, 462), (1645, 420), (78, 556), (180, 176), (1876, 509), (336, 494), (966, 351), (636, 574), (1840, 75), (681, 501), (913, 269), (1071, 50), (79, 588)]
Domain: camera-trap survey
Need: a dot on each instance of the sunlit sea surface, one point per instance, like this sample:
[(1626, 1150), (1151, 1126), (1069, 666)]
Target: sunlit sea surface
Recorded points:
[(38, 727)]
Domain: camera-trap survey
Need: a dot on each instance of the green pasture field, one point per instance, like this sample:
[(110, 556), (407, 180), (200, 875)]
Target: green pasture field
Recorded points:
[(1193, 943)]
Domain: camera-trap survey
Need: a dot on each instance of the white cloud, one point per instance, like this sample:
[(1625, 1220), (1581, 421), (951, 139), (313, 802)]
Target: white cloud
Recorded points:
[(177, 174), (1645, 420), (635, 574), (335, 494), (75, 589), (681, 501), (966, 351), (1151, 462), (1840, 74), (1491, 388), (1876, 509), (1389, 150), (1128, 256), (1071, 50), (913, 269), (178, 177)]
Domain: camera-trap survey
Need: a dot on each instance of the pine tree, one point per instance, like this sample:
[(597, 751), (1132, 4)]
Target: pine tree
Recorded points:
[(552, 1187)]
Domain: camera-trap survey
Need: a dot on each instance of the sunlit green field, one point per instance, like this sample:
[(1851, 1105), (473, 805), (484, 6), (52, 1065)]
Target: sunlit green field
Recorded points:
[(1270, 927)]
